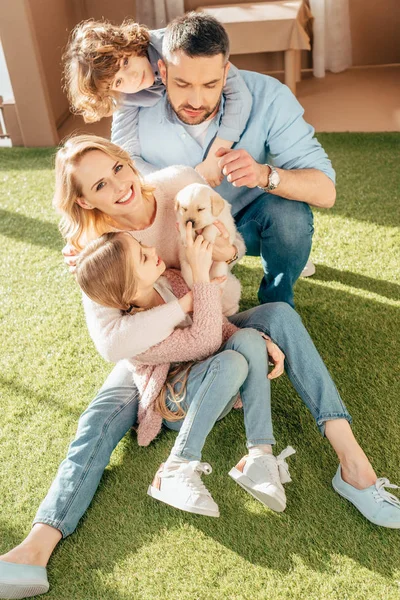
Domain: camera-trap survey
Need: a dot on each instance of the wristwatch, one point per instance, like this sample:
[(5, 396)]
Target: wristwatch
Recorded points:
[(234, 257), (273, 179)]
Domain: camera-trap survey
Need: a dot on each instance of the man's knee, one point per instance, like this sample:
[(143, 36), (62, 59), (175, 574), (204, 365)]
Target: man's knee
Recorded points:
[(288, 220)]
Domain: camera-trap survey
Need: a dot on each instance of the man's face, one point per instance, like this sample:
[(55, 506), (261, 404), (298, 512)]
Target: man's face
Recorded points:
[(194, 85)]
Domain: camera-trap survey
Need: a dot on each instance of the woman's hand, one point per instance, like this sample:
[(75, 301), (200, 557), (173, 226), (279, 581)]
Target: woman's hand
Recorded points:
[(186, 302), (223, 250), (198, 255), (70, 254), (277, 357)]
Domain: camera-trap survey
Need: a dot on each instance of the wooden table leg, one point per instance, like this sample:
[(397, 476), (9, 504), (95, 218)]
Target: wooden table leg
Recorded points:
[(290, 69), (298, 65)]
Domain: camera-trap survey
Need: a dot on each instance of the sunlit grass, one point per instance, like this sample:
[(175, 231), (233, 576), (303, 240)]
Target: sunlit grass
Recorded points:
[(128, 546)]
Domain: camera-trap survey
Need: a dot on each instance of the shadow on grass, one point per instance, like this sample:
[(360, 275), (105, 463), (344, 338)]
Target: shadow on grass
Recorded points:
[(318, 525), (30, 230), (22, 391), (31, 159), (362, 282)]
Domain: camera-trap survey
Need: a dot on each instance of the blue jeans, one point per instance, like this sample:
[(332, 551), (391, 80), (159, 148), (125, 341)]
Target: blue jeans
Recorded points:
[(114, 410), (211, 390), (280, 231)]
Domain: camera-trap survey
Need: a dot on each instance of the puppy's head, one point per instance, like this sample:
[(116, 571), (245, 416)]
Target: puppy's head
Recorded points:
[(199, 204)]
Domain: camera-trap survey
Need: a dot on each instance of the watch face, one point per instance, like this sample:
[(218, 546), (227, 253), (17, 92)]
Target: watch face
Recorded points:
[(274, 179)]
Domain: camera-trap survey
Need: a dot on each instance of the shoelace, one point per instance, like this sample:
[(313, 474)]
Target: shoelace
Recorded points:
[(381, 495), (270, 464), (191, 473), (283, 467)]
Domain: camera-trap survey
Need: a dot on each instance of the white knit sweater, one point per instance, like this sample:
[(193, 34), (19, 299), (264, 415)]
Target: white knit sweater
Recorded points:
[(117, 336)]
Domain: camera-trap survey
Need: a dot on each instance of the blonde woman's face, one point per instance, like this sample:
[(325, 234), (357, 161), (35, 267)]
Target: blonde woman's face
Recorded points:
[(147, 264), (135, 74), (107, 184)]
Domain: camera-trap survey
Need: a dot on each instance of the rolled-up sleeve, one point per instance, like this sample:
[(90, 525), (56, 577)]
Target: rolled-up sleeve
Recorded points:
[(290, 141)]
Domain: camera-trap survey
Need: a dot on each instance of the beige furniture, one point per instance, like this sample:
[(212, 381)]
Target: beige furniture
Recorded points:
[(267, 27)]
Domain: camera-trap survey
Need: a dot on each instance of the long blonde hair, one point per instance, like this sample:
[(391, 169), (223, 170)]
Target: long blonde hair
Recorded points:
[(106, 273), (76, 222), (92, 59)]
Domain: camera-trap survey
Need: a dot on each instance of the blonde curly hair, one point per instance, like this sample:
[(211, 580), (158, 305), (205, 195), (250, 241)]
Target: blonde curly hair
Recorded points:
[(92, 59)]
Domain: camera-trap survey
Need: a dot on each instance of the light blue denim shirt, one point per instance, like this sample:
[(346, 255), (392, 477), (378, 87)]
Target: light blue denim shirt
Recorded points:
[(275, 133), (125, 120)]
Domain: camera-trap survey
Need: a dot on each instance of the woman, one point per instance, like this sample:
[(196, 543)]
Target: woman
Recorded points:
[(98, 190)]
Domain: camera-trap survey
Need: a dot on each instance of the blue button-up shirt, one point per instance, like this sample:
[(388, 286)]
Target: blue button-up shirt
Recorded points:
[(276, 133)]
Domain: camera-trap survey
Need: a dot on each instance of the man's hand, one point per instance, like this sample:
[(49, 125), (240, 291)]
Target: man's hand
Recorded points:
[(241, 169), (70, 254), (223, 250), (277, 357)]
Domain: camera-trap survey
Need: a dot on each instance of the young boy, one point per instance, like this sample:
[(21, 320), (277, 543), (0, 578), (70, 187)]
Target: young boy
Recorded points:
[(115, 67)]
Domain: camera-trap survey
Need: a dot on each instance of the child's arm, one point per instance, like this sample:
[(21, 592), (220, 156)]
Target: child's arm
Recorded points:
[(198, 341), (125, 129), (238, 103), (117, 336)]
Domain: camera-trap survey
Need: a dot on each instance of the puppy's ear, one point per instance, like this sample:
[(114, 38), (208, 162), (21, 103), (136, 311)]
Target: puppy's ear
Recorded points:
[(176, 204), (217, 204)]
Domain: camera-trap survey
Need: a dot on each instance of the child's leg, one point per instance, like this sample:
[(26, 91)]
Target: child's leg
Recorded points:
[(211, 389), (260, 473), (255, 391), (211, 386)]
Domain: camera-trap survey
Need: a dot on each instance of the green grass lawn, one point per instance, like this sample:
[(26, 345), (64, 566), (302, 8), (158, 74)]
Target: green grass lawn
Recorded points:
[(130, 547)]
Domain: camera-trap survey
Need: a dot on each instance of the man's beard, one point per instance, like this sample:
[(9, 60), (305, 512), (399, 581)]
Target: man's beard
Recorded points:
[(200, 119)]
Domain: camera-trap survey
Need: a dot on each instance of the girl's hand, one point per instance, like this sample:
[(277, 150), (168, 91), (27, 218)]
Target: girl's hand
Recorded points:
[(198, 255), (277, 357)]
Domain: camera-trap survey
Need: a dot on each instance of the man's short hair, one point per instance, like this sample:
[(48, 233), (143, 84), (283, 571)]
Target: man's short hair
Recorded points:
[(195, 34)]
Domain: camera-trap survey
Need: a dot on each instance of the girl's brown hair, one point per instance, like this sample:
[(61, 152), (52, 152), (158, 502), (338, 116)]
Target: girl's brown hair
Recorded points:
[(91, 61), (105, 272), (79, 225)]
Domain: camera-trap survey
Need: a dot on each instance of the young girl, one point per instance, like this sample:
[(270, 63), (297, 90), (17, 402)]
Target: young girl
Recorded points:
[(118, 272), (109, 67)]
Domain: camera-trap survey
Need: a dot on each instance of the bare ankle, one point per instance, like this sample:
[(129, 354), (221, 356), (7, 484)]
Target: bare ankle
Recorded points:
[(360, 477), (25, 554)]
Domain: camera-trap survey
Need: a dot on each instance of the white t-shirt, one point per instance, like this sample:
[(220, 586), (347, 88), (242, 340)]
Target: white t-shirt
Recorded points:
[(197, 132)]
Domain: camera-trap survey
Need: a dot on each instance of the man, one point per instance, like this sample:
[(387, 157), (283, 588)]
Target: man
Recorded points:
[(273, 174)]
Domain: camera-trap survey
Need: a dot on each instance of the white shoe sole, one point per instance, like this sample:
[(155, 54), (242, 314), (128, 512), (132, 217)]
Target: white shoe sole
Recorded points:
[(13, 591), (247, 484), (308, 271), (158, 495)]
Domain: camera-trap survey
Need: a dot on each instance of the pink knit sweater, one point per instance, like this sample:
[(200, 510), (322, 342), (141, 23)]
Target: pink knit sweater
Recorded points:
[(197, 342)]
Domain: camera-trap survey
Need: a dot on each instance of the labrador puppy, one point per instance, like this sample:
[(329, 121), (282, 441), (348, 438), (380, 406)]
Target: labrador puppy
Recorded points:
[(201, 205)]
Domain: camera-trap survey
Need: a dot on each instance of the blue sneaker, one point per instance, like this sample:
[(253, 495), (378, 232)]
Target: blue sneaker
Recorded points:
[(22, 581), (375, 503)]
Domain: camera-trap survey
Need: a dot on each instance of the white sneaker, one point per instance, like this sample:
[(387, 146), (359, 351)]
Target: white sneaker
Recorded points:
[(184, 489), (308, 270), (263, 476)]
